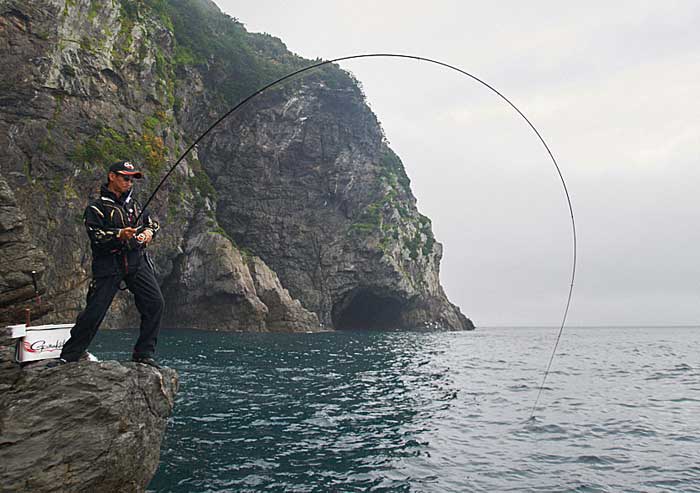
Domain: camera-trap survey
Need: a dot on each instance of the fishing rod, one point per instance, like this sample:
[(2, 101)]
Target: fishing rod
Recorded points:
[(435, 62)]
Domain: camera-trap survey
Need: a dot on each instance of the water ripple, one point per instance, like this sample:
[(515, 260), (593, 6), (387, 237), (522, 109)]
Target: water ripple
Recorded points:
[(430, 411)]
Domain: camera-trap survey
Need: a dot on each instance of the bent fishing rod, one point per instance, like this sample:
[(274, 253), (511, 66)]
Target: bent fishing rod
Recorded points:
[(279, 81)]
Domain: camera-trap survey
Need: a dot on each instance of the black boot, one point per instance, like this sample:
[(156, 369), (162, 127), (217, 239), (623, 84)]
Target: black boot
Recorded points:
[(56, 362), (146, 360)]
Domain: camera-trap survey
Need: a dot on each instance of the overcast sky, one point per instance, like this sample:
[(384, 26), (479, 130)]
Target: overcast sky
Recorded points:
[(612, 87)]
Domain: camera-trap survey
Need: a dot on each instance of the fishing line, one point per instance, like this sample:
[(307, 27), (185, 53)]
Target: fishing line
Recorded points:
[(435, 62)]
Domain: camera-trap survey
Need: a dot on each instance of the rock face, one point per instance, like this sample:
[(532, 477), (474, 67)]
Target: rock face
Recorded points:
[(328, 205), (216, 285), (293, 212), (82, 426), (19, 257)]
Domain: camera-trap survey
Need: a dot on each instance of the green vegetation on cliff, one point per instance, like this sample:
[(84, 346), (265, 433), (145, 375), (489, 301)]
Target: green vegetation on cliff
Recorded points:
[(110, 145), (233, 62), (221, 48), (393, 171)]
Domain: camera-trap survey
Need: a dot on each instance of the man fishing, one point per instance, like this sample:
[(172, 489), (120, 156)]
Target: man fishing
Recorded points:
[(119, 254)]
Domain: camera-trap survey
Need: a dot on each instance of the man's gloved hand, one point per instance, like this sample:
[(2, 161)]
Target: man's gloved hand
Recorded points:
[(126, 234), (145, 236)]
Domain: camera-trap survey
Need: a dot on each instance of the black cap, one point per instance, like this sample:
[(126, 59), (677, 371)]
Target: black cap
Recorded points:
[(125, 168)]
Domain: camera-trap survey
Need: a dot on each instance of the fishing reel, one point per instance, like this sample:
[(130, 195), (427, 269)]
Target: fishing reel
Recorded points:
[(140, 235)]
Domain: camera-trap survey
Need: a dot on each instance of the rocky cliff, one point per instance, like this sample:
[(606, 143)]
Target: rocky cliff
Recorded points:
[(293, 214), (22, 265), (83, 426)]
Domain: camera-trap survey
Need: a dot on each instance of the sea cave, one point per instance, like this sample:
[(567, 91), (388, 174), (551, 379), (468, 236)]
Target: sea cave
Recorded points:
[(364, 309)]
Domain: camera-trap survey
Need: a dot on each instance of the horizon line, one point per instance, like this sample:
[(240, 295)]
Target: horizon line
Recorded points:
[(589, 326)]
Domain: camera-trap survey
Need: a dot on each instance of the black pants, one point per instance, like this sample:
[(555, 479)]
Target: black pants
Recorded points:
[(149, 302)]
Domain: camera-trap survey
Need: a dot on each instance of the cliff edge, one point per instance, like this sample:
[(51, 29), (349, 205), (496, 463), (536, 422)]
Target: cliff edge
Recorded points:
[(82, 426)]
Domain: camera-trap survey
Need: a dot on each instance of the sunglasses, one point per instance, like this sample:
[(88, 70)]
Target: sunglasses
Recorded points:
[(126, 178)]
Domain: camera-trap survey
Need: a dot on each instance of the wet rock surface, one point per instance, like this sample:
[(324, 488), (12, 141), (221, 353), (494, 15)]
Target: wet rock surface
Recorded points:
[(82, 426)]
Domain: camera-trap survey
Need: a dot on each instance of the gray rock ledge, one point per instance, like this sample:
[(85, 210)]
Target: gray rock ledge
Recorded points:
[(82, 426)]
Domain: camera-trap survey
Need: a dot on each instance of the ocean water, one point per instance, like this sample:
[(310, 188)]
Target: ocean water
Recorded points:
[(430, 411)]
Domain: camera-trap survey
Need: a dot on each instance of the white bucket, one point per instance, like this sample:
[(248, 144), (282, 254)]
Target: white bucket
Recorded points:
[(40, 341)]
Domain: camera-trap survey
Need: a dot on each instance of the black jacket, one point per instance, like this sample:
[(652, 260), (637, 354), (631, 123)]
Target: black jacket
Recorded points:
[(104, 217)]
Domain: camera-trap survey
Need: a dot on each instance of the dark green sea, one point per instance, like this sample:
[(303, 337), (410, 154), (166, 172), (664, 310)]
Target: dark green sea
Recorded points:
[(430, 411)]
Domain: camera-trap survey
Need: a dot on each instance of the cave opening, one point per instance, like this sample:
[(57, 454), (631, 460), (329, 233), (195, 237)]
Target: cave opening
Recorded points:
[(364, 309)]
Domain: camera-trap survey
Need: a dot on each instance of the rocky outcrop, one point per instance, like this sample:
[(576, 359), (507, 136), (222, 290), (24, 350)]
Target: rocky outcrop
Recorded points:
[(83, 426), (19, 259), (284, 312), (214, 284), (302, 197)]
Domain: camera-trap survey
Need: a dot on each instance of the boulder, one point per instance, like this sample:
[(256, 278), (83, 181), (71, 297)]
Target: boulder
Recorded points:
[(82, 426)]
